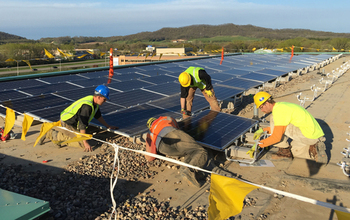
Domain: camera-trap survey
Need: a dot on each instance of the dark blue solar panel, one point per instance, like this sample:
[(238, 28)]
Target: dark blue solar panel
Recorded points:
[(222, 93), (48, 88), (216, 130), (3, 111), (221, 76), (172, 103), (134, 97), (272, 72), (125, 70), (157, 72), (93, 82), (245, 84), (258, 77), (176, 70), (171, 88), (63, 78), (133, 121), (108, 107), (11, 95), (128, 76), (236, 72), (129, 85), (160, 79), (50, 114), (35, 102), (96, 74), (9, 85), (79, 93)]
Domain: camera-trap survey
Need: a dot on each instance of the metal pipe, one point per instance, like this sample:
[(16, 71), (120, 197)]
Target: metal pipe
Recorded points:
[(256, 113)]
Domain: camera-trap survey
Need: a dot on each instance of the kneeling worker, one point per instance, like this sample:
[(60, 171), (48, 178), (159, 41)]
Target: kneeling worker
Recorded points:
[(191, 79), (166, 138), (77, 116), (290, 120)]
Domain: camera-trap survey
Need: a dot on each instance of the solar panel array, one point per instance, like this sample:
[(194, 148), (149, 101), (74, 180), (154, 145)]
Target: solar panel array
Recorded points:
[(140, 92)]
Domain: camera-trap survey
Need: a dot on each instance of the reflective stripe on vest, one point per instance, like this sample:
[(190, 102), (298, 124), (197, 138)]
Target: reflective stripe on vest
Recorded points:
[(72, 110), (193, 71), (161, 127)]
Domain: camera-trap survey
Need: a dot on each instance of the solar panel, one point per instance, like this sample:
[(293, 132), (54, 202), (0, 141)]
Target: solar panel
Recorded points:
[(156, 72), (160, 79), (245, 84), (50, 114), (92, 82), (48, 88), (125, 70), (95, 74), (9, 85), (221, 76), (35, 102), (11, 95), (172, 103), (134, 97), (223, 92), (236, 72), (272, 72), (58, 79), (167, 89), (79, 93), (128, 76), (258, 77), (129, 85), (216, 130), (132, 121)]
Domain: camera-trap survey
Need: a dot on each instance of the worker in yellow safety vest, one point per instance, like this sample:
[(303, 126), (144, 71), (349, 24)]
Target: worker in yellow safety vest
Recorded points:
[(166, 138), (77, 117), (292, 121), (191, 79)]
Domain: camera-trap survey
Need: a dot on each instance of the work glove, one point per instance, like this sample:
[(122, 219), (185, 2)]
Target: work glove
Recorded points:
[(185, 112), (209, 93), (258, 133), (251, 151)]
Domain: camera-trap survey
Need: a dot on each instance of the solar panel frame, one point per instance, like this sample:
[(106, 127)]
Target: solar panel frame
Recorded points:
[(62, 78), (258, 77), (18, 84), (134, 97), (242, 83), (216, 130), (12, 95), (160, 79), (166, 89), (130, 85), (48, 88)]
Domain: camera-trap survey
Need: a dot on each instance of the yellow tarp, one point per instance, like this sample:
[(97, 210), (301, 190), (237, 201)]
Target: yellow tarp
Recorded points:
[(342, 215)]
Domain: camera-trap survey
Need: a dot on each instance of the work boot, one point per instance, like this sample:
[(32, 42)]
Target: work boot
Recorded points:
[(318, 152), (282, 153), (42, 139), (190, 177)]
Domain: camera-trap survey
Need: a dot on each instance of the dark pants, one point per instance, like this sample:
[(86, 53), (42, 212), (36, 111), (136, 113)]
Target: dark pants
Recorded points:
[(178, 143)]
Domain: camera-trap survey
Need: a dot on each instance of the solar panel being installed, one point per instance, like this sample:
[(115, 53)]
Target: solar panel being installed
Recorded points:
[(132, 121), (245, 84), (216, 130)]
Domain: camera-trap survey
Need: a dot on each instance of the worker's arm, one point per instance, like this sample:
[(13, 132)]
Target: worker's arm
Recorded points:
[(276, 137), (86, 144), (102, 121), (203, 75)]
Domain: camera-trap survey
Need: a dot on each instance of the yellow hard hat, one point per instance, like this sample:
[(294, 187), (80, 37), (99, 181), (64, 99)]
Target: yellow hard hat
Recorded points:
[(260, 98), (185, 79), (150, 121)]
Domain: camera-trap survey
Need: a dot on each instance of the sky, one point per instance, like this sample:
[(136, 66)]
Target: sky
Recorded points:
[(35, 19)]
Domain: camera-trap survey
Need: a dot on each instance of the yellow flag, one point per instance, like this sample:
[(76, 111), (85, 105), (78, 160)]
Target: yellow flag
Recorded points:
[(160, 56), (102, 53), (9, 121), (10, 60), (226, 197), (90, 52), (27, 62), (342, 215), (254, 49), (45, 127), (27, 122), (334, 49), (301, 48), (48, 54), (79, 137), (147, 55)]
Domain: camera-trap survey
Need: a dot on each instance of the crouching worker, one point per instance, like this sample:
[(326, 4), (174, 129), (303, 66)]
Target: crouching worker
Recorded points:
[(166, 138), (290, 120), (77, 117)]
